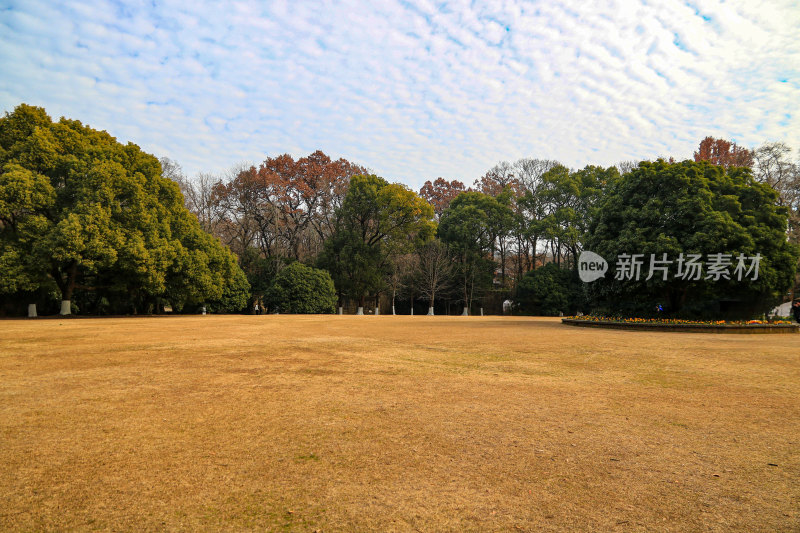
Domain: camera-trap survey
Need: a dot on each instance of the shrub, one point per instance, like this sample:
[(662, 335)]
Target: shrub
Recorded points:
[(302, 289), (548, 290)]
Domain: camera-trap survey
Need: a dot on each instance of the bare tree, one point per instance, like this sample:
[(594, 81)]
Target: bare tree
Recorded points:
[(434, 270), (773, 165), (625, 167), (199, 199), (198, 194), (529, 172), (401, 268), (171, 170)]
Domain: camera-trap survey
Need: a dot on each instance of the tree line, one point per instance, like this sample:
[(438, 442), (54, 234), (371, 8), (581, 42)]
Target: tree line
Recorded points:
[(471, 244), (107, 228)]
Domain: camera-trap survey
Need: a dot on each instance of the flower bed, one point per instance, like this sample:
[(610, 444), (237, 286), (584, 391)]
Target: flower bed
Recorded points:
[(688, 326)]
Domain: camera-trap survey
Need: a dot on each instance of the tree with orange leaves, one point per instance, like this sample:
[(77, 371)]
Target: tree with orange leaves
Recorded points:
[(286, 207), (723, 153), (440, 193)]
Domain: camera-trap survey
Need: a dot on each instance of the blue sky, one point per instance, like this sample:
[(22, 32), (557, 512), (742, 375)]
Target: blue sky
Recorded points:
[(412, 89)]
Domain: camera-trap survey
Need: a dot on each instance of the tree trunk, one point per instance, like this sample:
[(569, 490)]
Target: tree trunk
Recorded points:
[(481, 311), (32, 311), (360, 310), (468, 303), (341, 310), (412, 306), (502, 262), (67, 287), (466, 294), (430, 311)]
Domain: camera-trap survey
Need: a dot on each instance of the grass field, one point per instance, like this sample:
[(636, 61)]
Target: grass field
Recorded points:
[(394, 424)]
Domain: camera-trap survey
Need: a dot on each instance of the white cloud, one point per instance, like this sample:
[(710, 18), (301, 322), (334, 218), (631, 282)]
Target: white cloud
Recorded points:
[(414, 89)]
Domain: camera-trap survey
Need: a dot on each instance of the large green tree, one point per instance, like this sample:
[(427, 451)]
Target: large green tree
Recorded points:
[(565, 202), (87, 214), (376, 220), (469, 226), (677, 215)]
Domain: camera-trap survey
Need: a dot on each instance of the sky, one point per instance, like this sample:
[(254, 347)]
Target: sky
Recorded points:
[(412, 89)]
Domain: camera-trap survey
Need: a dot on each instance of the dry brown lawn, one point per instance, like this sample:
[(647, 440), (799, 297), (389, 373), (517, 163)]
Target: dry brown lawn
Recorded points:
[(332, 423)]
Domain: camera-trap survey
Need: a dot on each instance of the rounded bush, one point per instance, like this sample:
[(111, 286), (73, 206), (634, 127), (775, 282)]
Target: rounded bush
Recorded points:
[(302, 289), (548, 290)]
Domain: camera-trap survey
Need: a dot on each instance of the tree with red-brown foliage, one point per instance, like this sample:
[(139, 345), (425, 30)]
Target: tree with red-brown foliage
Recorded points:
[(723, 153), (289, 204), (279, 211), (440, 193)]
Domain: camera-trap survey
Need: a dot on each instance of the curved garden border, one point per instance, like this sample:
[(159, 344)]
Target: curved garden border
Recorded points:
[(685, 328)]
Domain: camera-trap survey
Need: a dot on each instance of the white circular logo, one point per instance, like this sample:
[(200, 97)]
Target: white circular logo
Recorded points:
[(591, 266)]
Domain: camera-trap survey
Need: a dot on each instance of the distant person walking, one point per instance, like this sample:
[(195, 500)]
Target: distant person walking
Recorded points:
[(257, 309), (796, 310)]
